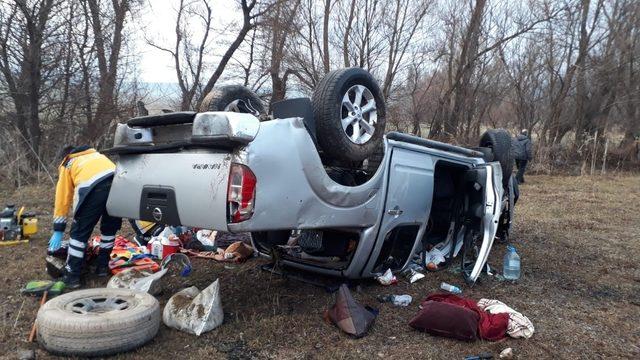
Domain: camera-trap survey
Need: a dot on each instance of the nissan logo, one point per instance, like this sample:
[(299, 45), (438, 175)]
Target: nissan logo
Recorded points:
[(157, 214)]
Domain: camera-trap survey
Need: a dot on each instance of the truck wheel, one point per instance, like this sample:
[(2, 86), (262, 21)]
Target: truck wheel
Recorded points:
[(499, 140), (235, 98), (349, 111), (487, 153), (97, 322)]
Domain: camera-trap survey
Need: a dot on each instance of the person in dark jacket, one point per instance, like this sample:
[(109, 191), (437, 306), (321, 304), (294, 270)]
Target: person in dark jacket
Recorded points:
[(523, 152)]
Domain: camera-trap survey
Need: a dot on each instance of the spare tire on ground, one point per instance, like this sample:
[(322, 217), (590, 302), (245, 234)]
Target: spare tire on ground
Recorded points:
[(97, 322), (499, 140), (235, 98), (349, 111)]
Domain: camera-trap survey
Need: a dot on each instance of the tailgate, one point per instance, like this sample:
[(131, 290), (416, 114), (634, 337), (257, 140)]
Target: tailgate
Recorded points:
[(186, 188)]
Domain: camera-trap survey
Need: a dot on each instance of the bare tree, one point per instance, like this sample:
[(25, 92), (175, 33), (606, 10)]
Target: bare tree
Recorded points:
[(279, 26), (252, 11), (187, 52), (406, 20), (23, 32), (107, 43), (581, 63)]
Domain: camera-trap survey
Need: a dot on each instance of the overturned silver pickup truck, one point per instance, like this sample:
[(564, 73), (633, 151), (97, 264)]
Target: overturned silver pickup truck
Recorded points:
[(316, 182)]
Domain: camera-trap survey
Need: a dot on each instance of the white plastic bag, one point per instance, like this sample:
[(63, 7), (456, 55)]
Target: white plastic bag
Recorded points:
[(387, 278), (147, 281), (206, 237), (140, 280), (194, 311)]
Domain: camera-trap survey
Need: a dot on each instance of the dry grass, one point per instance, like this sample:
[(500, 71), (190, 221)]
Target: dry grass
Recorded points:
[(579, 242)]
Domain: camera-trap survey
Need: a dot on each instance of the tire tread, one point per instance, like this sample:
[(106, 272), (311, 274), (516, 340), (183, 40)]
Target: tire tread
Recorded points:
[(331, 136), (97, 335)]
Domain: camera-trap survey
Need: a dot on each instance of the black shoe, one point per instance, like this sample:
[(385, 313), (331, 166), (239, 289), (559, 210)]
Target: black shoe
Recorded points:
[(71, 282), (102, 271)]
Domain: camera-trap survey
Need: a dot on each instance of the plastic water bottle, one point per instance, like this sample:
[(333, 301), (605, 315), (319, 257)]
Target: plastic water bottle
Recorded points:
[(511, 265), (450, 288)]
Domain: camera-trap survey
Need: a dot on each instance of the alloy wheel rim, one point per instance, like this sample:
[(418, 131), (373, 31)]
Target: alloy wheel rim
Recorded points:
[(359, 115)]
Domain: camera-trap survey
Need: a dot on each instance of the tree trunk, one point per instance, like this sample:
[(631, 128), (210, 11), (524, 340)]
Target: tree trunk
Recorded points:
[(108, 58), (325, 36), (466, 65), (581, 82)]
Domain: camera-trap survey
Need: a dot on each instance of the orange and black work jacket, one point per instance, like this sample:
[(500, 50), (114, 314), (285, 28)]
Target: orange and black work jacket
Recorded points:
[(79, 172)]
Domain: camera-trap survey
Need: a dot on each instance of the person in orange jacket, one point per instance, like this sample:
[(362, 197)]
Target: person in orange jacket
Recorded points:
[(84, 181)]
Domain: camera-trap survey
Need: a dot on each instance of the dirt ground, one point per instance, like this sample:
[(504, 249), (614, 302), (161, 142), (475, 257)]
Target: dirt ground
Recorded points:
[(578, 237)]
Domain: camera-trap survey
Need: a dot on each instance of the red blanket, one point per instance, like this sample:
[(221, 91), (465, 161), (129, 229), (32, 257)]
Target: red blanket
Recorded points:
[(491, 327)]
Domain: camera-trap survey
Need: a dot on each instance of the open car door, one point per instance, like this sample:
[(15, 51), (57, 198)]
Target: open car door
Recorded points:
[(479, 235)]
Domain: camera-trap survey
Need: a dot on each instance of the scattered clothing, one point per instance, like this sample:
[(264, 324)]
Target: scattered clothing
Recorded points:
[(236, 252), (519, 325), (448, 320), (125, 255), (348, 315), (491, 327), (437, 256), (200, 254), (147, 281), (141, 262)]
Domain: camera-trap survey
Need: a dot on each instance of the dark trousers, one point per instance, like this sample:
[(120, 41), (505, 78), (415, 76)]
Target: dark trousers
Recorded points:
[(522, 166), (92, 209)]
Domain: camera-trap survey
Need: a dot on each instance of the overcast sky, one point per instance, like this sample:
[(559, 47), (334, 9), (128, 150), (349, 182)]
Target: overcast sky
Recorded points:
[(157, 22)]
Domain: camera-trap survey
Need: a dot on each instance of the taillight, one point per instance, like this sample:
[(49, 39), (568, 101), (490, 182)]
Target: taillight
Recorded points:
[(241, 194)]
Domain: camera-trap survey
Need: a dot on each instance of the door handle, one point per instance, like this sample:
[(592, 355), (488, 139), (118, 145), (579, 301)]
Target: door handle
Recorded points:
[(395, 211)]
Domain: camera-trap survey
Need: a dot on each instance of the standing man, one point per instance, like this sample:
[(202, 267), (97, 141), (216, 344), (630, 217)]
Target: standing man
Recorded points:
[(84, 181), (523, 151)]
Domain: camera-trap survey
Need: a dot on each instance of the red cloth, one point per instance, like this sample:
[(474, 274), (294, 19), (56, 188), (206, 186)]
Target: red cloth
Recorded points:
[(449, 320), (491, 327)]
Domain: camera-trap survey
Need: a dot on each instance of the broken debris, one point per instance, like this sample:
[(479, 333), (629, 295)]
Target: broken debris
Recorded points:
[(387, 278), (348, 315)]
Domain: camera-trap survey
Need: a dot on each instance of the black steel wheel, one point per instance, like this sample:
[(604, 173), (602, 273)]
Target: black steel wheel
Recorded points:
[(234, 98)]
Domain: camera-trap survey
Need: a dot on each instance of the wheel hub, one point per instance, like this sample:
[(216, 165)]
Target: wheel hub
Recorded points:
[(359, 114), (99, 305)]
